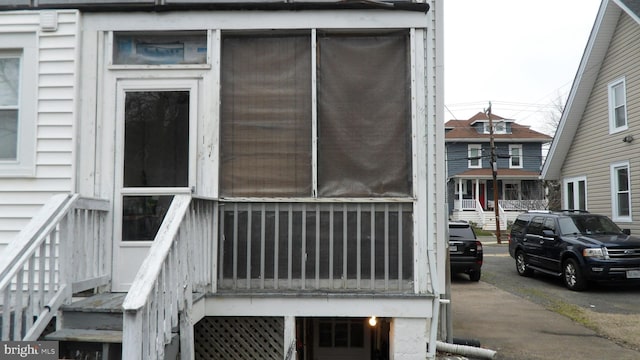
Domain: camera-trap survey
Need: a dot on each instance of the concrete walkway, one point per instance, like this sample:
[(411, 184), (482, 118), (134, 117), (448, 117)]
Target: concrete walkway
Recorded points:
[(522, 330)]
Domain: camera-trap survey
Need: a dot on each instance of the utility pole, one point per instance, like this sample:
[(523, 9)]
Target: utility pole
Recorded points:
[(494, 172)]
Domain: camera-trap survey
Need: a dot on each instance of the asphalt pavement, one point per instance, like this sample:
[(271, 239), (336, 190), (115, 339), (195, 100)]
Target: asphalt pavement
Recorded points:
[(518, 329)]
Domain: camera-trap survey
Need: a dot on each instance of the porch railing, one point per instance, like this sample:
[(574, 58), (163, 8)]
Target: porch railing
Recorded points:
[(160, 297), (315, 246), (62, 250), (469, 204), (523, 205)]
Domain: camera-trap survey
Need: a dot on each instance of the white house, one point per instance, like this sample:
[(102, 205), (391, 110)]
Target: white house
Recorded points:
[(227, 178)]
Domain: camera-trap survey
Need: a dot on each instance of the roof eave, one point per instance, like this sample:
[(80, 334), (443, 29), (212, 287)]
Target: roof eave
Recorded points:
[(595, 51)]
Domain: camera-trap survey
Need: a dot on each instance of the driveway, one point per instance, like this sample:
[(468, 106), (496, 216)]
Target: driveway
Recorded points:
[(521, 329)]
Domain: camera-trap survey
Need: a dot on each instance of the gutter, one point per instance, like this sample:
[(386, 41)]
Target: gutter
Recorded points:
[(229, 5)]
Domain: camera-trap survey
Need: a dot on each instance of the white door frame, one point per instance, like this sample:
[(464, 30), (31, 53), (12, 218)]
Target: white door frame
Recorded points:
[(128, 256)]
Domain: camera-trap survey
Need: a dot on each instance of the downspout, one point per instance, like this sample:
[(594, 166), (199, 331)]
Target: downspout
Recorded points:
[(434, 173), (437, 301)]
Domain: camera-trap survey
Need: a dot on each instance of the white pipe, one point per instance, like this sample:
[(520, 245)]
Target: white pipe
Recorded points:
[(466, 350)]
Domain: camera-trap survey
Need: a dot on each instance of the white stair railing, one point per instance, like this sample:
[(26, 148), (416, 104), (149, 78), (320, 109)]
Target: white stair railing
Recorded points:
[(36, 276), (161, 295)]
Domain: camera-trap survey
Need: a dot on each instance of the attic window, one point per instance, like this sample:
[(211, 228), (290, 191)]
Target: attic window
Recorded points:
[(160, 48), (499, 127)]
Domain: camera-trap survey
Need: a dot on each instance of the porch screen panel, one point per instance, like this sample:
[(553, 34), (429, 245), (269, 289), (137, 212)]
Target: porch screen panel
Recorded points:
[(266, 116), (364, 145)]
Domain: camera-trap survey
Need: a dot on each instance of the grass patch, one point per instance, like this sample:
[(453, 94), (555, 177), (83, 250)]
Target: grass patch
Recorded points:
[(573, 312), (480, 232)]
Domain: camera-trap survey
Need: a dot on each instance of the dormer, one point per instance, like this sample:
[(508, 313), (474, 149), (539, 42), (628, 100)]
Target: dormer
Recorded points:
[(500, 126)]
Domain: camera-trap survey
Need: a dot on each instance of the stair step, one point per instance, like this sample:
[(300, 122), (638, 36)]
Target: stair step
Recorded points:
[(97, 312), (86, 335), (107, 303)]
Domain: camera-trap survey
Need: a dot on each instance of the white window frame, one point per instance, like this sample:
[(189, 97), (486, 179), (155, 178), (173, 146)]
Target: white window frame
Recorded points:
[(620, 82), (615, 191), (471, 164), (519, 156), (576, 201), (499, 127), (23, 46)]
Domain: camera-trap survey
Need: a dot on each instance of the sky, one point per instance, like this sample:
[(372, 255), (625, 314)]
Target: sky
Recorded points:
[(520, 55)]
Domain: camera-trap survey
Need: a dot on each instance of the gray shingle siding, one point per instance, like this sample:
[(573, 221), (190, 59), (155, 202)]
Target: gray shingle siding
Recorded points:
[(457, 161)]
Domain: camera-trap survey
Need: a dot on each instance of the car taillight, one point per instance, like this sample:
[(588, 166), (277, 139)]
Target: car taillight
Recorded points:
[(478, 246)]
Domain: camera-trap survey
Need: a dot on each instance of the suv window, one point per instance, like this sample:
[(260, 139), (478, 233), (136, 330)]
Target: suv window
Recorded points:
[(567, 226), (519, 225), (536, 225), (596, 225), (461, 231), (550, 224)]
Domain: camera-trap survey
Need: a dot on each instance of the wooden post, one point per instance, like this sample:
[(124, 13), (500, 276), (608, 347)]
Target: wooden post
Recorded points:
[(494, 172)]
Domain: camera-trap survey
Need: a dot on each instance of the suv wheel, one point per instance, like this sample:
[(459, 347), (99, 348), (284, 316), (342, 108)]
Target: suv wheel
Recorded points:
[(521, 265), (572, 275), (475, 275)]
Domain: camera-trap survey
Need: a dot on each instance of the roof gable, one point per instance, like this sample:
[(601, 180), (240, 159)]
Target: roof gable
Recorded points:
[(587, 74)]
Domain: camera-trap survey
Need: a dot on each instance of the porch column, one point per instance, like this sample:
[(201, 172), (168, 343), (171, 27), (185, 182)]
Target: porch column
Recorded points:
[(459, 185), (289, 337), (477, 197)]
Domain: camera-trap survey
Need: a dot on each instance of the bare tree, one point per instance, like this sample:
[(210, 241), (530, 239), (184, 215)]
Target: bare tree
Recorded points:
[(553, 188)]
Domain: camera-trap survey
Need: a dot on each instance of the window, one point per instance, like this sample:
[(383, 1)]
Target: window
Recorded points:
[(536, 225), (512, 191), (515, 156), (499, 127), (620, 192), (475, 156), (9, 89), (347, 333), (18, 64), (160, 48), (362, 117), (617, 106), (575, 190)]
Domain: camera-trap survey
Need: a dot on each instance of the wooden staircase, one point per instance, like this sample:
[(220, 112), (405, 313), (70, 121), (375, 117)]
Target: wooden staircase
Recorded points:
[(92, 329), (91, 326)]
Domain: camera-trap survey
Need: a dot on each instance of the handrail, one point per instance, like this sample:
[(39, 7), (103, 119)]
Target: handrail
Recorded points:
[(160, 296), (480, 210), (35, 268)]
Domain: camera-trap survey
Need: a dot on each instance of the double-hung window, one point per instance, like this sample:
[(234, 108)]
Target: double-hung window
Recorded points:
[(17, 105), (475, 156), (617, 106), (620, 191), (515, 156), (9, 90)]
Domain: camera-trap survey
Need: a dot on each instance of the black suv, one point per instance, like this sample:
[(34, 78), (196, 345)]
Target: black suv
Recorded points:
[(465, 251), (576, 245)]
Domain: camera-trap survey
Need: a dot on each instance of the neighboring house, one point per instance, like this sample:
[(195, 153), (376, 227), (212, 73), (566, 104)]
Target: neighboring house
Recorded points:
[(230, 179), (470, 185), (594, 153)]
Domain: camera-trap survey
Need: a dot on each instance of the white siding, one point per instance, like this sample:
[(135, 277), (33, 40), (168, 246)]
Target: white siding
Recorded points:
[(57, 61), (593, 148)]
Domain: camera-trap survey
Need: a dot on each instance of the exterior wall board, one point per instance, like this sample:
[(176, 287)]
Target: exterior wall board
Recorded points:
[(54, 120), (593, 149)]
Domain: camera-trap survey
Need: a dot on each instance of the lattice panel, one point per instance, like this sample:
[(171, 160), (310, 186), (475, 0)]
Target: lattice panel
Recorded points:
[(239, 338)]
